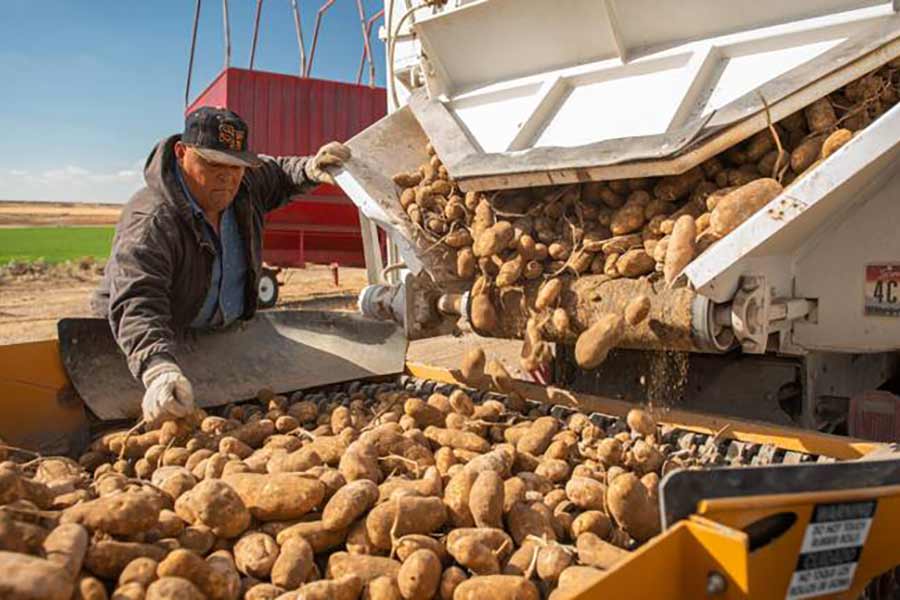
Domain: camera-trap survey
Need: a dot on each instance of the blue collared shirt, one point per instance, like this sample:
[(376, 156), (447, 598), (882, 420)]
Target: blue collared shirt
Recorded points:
[(224, 301)]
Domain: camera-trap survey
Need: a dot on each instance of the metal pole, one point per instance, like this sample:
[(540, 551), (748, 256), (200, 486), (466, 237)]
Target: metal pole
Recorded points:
[(312, 50), (299, 28), (187, 86), (367, 52), (227, 33), (259, 4)]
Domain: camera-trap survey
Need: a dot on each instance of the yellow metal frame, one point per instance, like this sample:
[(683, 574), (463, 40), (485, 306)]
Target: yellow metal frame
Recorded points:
[(678, 563), (787, 438), (38, 406)]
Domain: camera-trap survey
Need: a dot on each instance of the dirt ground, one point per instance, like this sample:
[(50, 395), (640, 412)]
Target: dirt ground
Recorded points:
[(30, 307), (34, 214)]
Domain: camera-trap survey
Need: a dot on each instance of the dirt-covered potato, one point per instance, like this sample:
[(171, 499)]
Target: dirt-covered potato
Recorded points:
[(632, 507), (594, 343), (216, 505)]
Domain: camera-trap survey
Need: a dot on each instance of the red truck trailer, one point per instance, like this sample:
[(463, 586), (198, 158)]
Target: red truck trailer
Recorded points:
[(289, 115)]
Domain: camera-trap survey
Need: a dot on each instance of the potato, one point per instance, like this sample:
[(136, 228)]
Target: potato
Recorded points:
[(423, 413), (173, 588), (640, 422), (548, 294), (482, 313), (635, 263), (263, 591), (215, 504), (402, 516), (456, 498), (680, 250), (554, 469), (594, 552), (349, 503), (122, 514), (524, 519), (593, 521), (360, 461), (298, 461), (675, 187), (475, 556), (198, 538), (24, 577), (493, 240), (106, 559), (462, 440), (429, 485), (450, 580), (834, 141), (465, 263), (365, 567), (631, 506), (410, 543), (91, 588), (472, 367), (16, 487), (382, 588), (627, 219), (315, 534), (419, 575), (595, 343), (209, 579), (20, 536), (255, 553), (586, 493), (341, 588), (739, 205), (496, 587), (173, 480), (552, 560), (407, 180), (820, 115), (293, 564), (459, 238), (806, 153), (141, 570), (637, 310), (66, 546), (538, 436), (510, 272), (486, 499)]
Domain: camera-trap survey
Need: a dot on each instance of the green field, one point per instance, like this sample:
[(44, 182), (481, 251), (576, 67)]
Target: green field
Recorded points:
[(54, 244)]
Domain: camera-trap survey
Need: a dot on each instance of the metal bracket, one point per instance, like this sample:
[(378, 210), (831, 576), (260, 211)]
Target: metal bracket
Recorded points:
[(755, 314)]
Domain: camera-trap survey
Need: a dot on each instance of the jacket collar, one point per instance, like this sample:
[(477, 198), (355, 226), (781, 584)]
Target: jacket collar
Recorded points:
[(160, 176)]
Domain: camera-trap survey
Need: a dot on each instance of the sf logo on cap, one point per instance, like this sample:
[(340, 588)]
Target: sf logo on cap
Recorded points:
[(231, 137)]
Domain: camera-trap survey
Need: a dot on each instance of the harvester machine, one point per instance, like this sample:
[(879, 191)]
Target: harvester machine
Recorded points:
[(777, 332), (560, 115)]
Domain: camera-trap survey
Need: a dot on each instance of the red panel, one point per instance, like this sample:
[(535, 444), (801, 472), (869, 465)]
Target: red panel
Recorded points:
[(289, 115)]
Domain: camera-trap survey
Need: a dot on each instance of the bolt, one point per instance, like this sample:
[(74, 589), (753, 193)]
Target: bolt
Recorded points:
[(715, 584)]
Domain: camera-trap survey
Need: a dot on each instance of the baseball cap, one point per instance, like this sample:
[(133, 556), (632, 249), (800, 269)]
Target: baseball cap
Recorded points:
[(219, 136)]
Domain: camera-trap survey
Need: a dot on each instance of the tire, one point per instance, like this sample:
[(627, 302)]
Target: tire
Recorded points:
[(267, 290)]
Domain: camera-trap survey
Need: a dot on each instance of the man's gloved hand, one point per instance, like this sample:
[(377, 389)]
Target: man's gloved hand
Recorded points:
[(169, 394), (332, 154)]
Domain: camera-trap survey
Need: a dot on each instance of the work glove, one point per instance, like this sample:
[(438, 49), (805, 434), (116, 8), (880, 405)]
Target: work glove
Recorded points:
[(169, 394), (332, 154)]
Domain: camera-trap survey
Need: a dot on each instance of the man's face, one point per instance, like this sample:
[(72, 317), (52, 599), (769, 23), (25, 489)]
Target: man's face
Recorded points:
[(213, 185)]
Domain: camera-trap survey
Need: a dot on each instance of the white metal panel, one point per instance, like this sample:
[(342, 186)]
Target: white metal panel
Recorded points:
[(819, 235), (832, 270), (523, 77)]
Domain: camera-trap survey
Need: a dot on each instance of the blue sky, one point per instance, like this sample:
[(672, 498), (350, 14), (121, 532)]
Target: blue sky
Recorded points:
[(90, 85)]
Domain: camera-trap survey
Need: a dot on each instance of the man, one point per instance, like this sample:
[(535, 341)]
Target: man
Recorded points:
[(187, 252)]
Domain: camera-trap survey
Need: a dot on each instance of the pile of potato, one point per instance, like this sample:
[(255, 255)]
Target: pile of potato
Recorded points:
[(364, 491), (632, 228)]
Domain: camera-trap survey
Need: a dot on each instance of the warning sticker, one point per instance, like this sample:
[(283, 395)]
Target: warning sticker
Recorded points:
[(831, 548), (882, 290)]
